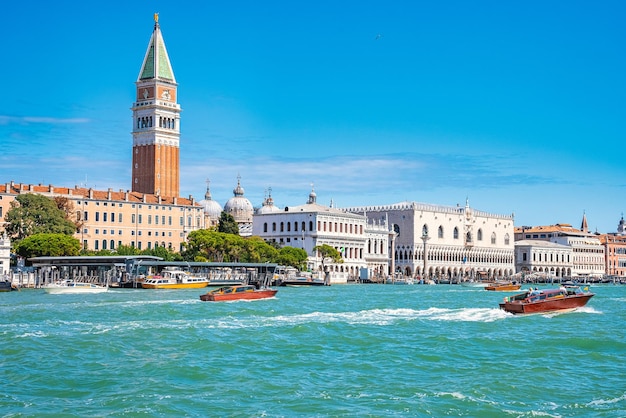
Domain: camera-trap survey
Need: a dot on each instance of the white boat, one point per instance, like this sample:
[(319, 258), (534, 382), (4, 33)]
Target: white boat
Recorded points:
[(71, 286), (400, 280)]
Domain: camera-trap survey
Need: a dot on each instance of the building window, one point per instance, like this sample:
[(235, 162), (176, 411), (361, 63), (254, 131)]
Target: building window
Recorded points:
[(97, 216), (493, 238), (104, 218), (440, 232), (265, 227), (479, 235), (455, 233)]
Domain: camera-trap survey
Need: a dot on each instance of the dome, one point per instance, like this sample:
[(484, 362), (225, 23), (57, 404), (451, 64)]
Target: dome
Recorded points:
[(238, 206), (211, 208), (268, 205)]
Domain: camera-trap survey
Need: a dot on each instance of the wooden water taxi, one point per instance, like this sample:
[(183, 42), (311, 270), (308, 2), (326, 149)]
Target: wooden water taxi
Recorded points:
[(548, 300), (238, 292), (503, 287)]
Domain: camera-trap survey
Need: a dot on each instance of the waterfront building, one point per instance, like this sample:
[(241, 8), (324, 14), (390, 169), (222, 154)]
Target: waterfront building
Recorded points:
[(615, 251), (5, 255), (156, 123), (543, 258), (446, 243), (310, 225), (588, 255), (108, 219)]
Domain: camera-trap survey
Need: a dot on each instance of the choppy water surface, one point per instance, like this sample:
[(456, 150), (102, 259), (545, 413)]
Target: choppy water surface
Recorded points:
[(353, 350)]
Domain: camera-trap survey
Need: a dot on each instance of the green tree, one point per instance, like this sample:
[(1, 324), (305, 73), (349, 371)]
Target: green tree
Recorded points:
[(53, 245), (290, 256), (127, 250), (227, 224), (36, 214), (165, 253), (328, 254)]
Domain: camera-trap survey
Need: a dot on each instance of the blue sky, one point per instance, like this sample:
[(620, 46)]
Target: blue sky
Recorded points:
[(518, 106)]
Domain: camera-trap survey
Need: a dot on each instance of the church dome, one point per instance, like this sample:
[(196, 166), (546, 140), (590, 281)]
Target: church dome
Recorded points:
[(238, 206), (268, 205), (212, 208)]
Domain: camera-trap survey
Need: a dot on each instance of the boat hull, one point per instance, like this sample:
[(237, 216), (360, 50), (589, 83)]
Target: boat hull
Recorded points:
[(6, 286), (302, 282), (195, 285), (504, 288), (78, 288), (563, 304), (237, 293)]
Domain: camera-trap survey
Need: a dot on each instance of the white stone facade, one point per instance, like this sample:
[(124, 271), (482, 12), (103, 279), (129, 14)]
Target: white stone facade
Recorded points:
[(546, 258), (460, 243), (5, 255), (310, 225), (587, 254)]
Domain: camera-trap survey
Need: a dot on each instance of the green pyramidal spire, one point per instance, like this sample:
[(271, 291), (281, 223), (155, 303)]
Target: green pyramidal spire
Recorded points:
[(156, 63)]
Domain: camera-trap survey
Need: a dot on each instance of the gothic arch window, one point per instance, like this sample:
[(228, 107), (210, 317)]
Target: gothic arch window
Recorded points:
[(468, 236), (479, 235), (440, 232), (455, 233), (425, 230), (288, 226), (493, 238), (506, 239), (295, 226), (265, 227), (303, 225), (273, 226)]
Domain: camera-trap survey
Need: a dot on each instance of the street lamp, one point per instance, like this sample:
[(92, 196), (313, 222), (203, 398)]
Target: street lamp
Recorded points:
[(425, 238)]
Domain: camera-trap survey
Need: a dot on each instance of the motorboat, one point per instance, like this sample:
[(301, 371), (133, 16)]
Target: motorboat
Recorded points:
[(72, 286), (302, 281), (7, 286), (238, 292), (174, 278), (564, 298), (503, 287)]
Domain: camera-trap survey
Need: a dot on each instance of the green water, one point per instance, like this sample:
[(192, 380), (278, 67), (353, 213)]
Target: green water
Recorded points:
[(353, 350)]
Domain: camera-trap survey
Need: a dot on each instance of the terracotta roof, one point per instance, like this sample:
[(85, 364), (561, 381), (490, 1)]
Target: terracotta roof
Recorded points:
[(86, 193)]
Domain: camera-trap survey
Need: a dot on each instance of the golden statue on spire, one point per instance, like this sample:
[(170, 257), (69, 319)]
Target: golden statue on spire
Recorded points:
[(156, 18)]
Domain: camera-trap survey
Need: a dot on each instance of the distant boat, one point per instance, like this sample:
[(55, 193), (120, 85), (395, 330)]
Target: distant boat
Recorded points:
[(565, 298), (71, 286), (400, 280), (174, 278), (238, 292), (7, 286), (302, 281), (503, 287)]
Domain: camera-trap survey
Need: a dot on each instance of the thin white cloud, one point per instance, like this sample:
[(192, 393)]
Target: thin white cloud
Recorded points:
[(6, 120)]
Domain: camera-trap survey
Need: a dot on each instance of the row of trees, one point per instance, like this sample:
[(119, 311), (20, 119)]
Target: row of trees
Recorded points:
[(40, 226)]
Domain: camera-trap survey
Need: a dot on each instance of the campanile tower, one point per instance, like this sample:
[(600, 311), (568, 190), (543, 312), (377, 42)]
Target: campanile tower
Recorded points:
[(156, 123)]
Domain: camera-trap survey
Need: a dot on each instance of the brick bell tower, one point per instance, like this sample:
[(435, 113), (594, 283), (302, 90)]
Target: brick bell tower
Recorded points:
[(156, 123)]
